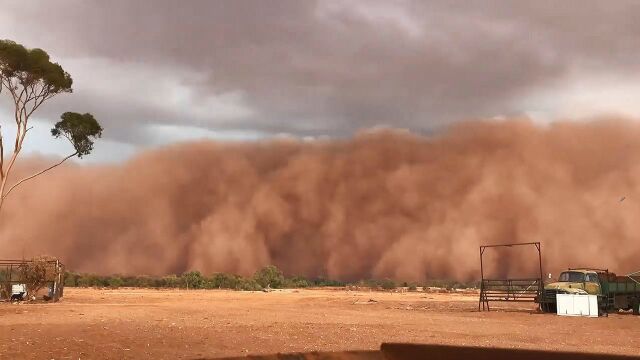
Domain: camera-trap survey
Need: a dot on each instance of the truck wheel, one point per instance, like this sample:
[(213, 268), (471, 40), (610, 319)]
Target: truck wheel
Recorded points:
[(546, 307), (603, 311)]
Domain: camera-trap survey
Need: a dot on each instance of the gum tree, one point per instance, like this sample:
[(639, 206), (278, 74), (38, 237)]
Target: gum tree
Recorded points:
[(30, 79)]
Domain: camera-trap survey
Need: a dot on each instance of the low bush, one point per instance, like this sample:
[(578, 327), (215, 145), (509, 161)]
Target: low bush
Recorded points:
[(269, 276)]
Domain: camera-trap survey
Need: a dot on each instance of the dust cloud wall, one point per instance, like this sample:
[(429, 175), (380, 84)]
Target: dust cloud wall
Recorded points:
[(385, 203)]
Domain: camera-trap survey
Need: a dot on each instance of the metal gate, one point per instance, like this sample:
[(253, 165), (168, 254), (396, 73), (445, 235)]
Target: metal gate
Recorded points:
[(509, 289)]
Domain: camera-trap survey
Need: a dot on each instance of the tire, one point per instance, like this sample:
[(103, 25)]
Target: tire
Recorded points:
[(636, 306), (545, 307)]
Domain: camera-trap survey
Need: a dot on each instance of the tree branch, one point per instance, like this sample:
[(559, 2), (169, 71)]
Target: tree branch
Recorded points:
[(1, 154), (17, 112), (38, 101), (4, 196), (23, 92)]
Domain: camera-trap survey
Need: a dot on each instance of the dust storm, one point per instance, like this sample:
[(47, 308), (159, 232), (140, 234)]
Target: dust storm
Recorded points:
[(384, 203)]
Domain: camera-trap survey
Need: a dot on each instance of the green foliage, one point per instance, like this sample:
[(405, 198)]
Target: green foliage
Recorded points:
[(224, 281), (248, 285), (71, 279), (79, 129), (322, 282), (170, 281), (269, 276), (452, 284), (90, 280), (32, 68), (385, 284), (296, 283), (141, 281), (115, 282), (193, 280)]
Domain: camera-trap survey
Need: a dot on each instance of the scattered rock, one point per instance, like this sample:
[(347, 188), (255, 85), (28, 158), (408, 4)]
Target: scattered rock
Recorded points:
[(368, 302)]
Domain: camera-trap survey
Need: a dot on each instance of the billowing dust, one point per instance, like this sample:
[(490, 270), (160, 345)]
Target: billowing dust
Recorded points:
[(385, 203)]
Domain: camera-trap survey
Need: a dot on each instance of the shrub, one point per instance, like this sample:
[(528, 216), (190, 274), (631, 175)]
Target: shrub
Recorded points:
[(71, 279), (169, 281), (224, 281), (248, 285), (115, 282), (269, 276), (36, 273), (322, 282), (296, 283), (387, 284), (193, 280), (143, 281), (452, 284), (90, 280)]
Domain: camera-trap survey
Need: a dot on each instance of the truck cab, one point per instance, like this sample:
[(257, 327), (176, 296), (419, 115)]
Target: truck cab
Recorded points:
[(573, 281), (577, 281)]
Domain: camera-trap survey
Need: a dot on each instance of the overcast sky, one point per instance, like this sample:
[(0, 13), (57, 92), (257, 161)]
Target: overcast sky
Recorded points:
[(155, 72)]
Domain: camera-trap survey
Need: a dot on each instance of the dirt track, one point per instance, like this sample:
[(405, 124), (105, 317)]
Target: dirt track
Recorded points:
[(128, 324)]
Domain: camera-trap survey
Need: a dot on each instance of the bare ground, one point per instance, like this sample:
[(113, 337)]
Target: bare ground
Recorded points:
[(178, 324)]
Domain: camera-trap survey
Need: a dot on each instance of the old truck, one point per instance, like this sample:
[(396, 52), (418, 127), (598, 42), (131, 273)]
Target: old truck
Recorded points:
[(614, 292)]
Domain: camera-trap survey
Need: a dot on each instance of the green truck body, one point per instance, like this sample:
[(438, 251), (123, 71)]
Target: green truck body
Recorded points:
[(614, 292)]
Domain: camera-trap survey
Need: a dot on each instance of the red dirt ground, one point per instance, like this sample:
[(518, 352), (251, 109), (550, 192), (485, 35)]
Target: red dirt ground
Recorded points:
[(179, 324)]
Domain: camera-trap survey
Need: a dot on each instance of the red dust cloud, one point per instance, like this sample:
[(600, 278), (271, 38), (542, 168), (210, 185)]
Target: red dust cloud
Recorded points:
[(383, 204)]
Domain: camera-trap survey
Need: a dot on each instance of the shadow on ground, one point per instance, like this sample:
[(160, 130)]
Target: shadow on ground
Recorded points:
[(439, 352)]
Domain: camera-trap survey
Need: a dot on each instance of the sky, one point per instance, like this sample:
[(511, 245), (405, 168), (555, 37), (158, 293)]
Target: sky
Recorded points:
[(155, 72)]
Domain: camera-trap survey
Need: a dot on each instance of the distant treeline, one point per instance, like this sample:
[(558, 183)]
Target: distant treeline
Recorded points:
[(268, 277)]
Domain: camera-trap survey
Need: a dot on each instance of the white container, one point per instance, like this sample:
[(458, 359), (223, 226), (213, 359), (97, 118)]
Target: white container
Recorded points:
[(577, 305), (18, 288)]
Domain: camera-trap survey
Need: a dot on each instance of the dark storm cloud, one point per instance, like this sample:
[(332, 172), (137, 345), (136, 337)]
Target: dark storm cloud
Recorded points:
[(327, 67)]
